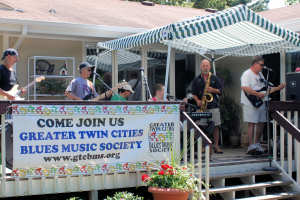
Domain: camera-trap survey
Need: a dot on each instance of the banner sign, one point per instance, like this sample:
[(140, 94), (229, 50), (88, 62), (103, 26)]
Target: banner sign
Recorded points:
[(81, 139)]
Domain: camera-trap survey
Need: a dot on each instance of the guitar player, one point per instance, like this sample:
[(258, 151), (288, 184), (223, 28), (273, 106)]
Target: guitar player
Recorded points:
[(254, 109), (7, 81), (81, 88), (7, 74)]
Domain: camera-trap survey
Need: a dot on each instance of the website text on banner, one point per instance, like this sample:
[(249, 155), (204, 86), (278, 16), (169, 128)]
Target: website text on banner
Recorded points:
[(82, 139)]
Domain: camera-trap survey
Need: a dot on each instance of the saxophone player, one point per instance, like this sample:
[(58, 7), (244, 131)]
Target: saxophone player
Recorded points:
[(206, 89)]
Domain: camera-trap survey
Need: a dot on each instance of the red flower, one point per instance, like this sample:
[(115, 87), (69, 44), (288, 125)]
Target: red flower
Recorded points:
[(165, 167), (145, 177), (170, 172), (161, 172)]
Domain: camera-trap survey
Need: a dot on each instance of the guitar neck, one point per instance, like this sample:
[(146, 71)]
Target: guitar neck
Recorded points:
[(27, 86)]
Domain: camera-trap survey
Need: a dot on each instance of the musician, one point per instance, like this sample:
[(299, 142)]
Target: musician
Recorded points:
[(7, 82), (209, 83), (7, 74), (158, 92), (252, 80), (124, 91), (81, 88)]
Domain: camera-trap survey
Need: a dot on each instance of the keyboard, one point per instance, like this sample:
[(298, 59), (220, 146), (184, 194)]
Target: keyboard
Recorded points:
[(199, 115)]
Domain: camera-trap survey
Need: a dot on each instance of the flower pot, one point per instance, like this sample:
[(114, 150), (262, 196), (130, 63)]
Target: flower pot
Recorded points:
[(168, 193)]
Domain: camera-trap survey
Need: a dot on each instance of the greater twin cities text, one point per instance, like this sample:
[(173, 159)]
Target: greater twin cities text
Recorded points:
[(103, 139)]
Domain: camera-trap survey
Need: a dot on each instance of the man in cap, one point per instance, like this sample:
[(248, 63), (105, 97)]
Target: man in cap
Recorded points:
[(7, 74), (7, 81), (124, 92), (81, 88)]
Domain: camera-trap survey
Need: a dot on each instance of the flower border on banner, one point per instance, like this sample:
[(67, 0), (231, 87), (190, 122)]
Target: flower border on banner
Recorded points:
[(98, 169), (69, 110)]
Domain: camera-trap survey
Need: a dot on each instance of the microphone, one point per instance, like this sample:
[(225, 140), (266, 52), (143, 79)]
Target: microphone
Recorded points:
[(96, 74), (267, 68)]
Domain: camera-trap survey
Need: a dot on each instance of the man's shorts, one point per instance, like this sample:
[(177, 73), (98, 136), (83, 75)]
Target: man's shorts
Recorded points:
[(216, 117), (254, 115)]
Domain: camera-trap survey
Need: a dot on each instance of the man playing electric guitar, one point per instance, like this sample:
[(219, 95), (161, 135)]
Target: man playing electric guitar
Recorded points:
[(81, 88), (254, 110), (7, 74)]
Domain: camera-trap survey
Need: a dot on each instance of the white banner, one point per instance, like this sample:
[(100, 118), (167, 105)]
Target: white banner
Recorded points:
[(72, 139)]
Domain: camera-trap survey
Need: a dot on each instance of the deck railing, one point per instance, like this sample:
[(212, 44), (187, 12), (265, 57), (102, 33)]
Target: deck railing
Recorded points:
[(286, 134), (196, 134)]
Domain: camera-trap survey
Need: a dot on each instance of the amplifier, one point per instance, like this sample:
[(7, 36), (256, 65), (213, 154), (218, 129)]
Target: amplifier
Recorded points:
[(293, 86)]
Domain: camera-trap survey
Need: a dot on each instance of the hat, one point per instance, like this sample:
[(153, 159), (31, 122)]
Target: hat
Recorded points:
[(84, 65), (127, 87), (297, 69), (10, 51)]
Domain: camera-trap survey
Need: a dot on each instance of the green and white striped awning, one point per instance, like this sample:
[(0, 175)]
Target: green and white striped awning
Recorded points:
[(236, 31)]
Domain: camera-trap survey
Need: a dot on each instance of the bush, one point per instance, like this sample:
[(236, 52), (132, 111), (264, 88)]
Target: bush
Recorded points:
[(124, 196)]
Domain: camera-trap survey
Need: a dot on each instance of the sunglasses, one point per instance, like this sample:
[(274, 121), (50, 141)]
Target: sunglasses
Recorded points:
[(261, 64)]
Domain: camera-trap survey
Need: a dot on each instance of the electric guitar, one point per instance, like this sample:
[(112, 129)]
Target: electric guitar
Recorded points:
[(101, 96), (255, 100), (16, 92)]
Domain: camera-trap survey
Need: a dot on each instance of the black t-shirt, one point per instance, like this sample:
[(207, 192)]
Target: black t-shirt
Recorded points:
[(198, 88), (7, 78)]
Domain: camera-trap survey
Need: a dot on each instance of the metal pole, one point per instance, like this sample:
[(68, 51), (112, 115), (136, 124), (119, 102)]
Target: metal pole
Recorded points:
[(213, 63), (167, 73), (95, 69)]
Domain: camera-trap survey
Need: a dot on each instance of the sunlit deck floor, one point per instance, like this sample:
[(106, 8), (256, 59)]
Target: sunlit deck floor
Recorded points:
[(233, 156)]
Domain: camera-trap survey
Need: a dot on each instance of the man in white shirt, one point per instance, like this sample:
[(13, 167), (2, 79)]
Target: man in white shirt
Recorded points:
[(252, 81)]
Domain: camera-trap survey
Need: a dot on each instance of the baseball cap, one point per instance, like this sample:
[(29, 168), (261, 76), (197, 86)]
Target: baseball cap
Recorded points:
[(84, 65), (127, 87), (10, 51)]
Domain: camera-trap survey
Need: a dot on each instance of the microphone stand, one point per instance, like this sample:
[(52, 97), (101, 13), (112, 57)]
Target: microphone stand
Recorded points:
[(270, 167), (100, 79), (147, 90)]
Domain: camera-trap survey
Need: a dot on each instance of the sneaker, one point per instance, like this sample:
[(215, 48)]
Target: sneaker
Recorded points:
[(259, 148), (257, 153), (251, 149)]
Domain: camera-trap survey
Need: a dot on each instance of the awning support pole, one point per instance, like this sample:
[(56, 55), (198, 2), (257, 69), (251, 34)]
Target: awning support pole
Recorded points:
[(213, 63), (282, 74), (167, 73)]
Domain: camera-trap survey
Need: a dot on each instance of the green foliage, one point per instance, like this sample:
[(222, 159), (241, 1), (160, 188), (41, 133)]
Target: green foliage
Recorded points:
[(222, 4), (217, 4), (124, 196), (52, 86), (291, 2), (231, 111), (260, 5)]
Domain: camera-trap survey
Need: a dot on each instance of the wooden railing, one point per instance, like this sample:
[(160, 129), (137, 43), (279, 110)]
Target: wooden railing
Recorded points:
[(285, 121), (196, 134)]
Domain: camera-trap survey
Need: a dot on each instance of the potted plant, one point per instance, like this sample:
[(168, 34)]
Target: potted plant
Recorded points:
[(172, 183), (230, 110), (124, 196)]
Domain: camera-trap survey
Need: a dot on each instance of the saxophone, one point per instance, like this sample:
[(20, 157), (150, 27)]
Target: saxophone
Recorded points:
[(206, 97)]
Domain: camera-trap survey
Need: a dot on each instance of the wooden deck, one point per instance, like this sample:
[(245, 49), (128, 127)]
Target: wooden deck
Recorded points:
[(233, 156)]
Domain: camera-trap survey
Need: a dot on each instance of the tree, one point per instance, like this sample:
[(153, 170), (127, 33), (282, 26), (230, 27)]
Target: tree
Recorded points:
[(222, 4), (260, 5), (291, 2)]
